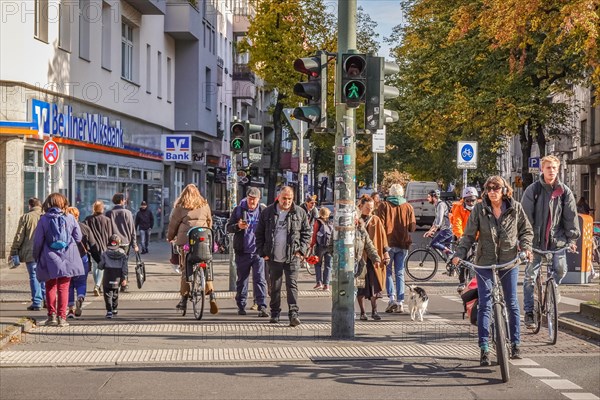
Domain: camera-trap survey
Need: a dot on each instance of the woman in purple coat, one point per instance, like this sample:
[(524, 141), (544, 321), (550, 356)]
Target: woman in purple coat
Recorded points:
[(55, 250)]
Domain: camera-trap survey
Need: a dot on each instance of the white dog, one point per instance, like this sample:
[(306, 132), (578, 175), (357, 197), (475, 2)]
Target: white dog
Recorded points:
[(417, 302)]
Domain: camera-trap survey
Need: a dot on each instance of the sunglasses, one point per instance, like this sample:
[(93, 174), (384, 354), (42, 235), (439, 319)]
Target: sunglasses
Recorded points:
[(470, 201), (493, 188)]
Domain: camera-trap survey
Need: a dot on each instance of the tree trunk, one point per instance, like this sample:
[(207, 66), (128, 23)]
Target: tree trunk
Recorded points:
[(526, 140), (541, 140), (276, 150)]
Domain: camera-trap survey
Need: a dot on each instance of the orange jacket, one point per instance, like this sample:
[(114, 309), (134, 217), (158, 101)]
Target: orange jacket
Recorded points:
[(460, 216)]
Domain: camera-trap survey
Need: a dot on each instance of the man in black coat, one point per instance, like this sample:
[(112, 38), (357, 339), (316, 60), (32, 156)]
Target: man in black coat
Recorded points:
[(283, 238), (144, 221)]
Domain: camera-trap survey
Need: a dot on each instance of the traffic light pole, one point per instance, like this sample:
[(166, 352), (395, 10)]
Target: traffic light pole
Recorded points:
[(232, 188), (342, 323), (301, 160)]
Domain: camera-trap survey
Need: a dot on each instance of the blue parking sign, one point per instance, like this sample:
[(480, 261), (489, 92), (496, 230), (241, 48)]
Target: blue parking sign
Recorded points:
[(534, 164)]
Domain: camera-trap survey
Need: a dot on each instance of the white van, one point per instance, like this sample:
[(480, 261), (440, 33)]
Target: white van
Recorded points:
[(416, 194)]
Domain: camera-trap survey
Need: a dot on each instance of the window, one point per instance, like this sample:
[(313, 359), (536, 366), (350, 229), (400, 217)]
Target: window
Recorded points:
[(91, 170), (148, 69), (84, 29), (124, 173), (584, 136), (208, 89), (159, 75), (40, 28), (136, 174), (179, 181), (127, 51), (196, 178), (102, 170), (33, 176), (595, 122), (79, 169), (106, 35), (585, 186), (64, 25), (169, 85), (112, 172)]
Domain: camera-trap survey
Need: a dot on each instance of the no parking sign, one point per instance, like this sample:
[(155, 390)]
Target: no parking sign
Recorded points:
[(51, 152)]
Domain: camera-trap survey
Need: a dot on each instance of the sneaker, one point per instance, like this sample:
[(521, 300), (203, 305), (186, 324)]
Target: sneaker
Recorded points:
[(241, 311), (78, 305), (33, 308), (460, 288), (182, 305), (51, 321), (70, 314), (529, 320), (115, 313), (96, 291), (375, 316), (274, 319), (254, 307), (326, 288), (363, 317), (400, 308), (484, 361), (392, 306), (515, 352), (294, 320), (109, 315), (214, 308), (262, 313), (62, 322), (318, 286)]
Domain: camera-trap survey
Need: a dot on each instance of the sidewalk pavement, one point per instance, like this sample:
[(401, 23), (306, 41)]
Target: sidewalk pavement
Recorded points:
[(163, 284)]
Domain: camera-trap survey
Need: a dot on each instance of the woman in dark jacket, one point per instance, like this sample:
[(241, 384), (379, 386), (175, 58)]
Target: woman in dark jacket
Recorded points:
[(100, 230), (57, 265), (502, 229)]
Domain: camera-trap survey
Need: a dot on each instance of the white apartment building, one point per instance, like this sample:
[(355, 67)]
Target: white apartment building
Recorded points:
[(106, 79)]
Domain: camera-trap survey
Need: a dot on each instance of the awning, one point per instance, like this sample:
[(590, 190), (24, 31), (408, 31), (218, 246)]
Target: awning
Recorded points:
[(587, 160)]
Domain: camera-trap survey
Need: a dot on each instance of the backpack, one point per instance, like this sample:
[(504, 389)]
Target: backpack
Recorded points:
[(57, 236), (324, 236)]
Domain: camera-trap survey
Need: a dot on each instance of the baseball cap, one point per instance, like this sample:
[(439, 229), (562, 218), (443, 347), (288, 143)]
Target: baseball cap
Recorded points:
[(114, 241), (143, 203)]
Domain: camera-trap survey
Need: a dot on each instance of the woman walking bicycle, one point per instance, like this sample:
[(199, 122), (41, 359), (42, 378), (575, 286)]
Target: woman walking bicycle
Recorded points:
[(502, 230)]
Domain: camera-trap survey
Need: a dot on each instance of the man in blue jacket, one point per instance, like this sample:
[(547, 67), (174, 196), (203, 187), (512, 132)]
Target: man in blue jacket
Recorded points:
[(242, 223)]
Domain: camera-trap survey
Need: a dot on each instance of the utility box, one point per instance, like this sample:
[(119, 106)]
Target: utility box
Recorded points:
[(579, 265)]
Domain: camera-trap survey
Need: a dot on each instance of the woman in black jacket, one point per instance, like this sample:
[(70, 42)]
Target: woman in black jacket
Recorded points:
[(100, 230)]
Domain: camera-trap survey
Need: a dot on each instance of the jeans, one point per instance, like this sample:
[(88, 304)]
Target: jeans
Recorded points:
[(97, 273), (57, 295), (277, 270), (38, 289), (79, 283), (323, 269), (144, 237), (246, 263), (442, 239), (397, 257), (559, 265), (508, 279)]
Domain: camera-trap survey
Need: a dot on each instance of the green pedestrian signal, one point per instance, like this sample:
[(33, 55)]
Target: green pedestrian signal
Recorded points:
[(237, 145), (354, 90), (354, 79)]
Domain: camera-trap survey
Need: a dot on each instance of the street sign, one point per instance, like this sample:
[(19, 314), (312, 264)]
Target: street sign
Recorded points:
[(466, 157), (51, 152), (303, 168), (254, 157), (294, 123), (243, 180), (534, 165), (177, 148), (378, 145)]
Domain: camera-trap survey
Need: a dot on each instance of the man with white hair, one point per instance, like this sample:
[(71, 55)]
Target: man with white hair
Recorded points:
[(398, 219)]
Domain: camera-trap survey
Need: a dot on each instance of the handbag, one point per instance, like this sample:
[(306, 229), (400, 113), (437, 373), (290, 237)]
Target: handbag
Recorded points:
[(174, 260), (140, 270)]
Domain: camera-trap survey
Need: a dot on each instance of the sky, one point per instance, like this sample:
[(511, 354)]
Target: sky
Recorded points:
[(387, 14)]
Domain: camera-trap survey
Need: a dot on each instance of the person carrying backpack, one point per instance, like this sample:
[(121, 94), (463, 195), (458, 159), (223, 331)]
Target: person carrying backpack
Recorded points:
[(550, 207), (321, 241), (57, 256)]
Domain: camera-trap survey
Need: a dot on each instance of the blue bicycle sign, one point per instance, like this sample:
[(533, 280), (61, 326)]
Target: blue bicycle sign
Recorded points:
[(467, 152), (467, 155)]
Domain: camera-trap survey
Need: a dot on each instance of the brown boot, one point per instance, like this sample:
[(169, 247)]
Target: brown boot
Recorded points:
[(208, 288)]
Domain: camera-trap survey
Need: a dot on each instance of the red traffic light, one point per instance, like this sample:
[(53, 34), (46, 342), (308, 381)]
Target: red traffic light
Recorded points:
[(310, 66)]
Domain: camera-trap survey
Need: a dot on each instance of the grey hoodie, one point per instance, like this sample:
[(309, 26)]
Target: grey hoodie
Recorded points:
[(115, 259)]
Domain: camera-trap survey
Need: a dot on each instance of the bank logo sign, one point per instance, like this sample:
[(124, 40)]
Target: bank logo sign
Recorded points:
[(177, 148), (93, 128)]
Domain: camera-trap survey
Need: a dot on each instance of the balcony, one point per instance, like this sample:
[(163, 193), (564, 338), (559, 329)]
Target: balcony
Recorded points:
[(149, 7), (241, 72), (183, 21)]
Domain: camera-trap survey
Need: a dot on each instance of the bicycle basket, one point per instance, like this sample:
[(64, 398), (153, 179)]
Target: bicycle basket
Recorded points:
[(200, 240)]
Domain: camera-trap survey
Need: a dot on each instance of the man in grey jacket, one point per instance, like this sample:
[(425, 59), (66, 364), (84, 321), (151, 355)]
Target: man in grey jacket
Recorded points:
[(123, 225), (282, 239), (22, 250), (550, 207)]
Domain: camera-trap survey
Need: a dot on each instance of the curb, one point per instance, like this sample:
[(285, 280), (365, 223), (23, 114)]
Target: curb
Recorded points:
[(14, 332), (581, 328)]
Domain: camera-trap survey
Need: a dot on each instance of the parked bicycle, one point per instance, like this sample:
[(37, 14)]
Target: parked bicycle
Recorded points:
[(221, 238), (422, 264), (499, 328), (545, 306)]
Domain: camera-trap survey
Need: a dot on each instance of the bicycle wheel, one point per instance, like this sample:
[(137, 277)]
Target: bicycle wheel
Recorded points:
[(421, 265), (309, 268), (537, 304), (197, 292), (551, 311), (500, 339)]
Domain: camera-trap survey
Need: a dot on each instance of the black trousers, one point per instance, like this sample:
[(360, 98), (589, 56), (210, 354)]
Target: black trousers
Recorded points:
[(110, 285), (276, 272)]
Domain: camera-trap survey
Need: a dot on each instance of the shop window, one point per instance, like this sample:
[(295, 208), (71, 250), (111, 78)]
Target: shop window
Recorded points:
[(112, 172), (105, 191), (79, 169), (156, 176), (124, 173), (30, 158), (91, 170), (136, 174), (179, 182), (147, 175), (102, 170), (85, 196)]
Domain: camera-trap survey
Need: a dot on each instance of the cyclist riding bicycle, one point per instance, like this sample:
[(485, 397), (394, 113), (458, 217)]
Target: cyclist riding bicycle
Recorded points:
[(441, 240), (460, 215)]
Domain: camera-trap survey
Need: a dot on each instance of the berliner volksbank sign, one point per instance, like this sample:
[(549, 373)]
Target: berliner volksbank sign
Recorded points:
[(93, 128)]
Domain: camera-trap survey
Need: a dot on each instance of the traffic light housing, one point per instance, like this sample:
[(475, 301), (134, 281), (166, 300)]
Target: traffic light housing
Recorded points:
[(377, 92), (251, 142), (314, 90), (237, 137), (354, 79)]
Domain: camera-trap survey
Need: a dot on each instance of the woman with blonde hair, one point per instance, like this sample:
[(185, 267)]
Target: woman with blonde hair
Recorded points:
[(376, 273), (190, 210)]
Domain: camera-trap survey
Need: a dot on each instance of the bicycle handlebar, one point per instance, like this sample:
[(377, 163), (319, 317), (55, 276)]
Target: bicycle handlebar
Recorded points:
[(521, 257), (544, 252)]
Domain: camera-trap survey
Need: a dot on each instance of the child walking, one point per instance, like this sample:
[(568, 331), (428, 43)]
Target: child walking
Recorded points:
[(114, 264)]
